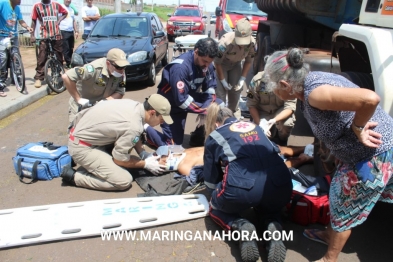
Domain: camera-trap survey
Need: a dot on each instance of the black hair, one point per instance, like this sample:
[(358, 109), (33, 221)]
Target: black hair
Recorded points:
[(148, 107), (207, 47)]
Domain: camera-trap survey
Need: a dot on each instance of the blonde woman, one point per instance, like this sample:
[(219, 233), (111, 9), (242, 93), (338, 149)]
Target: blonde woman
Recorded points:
[(244, 169)]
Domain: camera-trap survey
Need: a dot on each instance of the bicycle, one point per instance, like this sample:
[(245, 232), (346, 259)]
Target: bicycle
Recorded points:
[(15, 60), (53, 68)]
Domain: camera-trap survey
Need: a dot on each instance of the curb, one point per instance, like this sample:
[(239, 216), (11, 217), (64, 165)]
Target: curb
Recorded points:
[(23, 100)]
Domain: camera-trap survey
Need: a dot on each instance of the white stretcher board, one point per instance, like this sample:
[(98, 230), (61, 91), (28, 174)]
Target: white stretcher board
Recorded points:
[(31, 225)]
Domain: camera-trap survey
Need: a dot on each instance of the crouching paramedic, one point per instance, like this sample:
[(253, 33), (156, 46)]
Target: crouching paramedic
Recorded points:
[(264, 104), (118, 122), (244, 169), (189, 84), (102, 79)]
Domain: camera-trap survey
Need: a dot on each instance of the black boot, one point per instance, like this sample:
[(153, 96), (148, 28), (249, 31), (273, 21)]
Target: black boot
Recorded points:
[(68, 174), (275, 248), (248, 249)]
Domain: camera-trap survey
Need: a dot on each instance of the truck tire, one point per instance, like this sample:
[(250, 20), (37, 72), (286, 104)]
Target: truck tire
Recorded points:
[(363, 80), (264, 48)]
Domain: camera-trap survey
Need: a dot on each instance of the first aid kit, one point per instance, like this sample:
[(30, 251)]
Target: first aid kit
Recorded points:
[(310, 200), (40, 161)]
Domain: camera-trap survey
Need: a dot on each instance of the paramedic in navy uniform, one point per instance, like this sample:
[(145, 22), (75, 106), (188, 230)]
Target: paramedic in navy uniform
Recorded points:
[(244, 170), (189, 84)]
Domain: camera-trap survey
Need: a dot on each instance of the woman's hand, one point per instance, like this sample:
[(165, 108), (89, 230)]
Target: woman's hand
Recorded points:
[(367, 136)]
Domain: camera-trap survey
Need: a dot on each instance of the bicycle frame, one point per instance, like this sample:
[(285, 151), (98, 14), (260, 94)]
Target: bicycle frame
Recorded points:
[(14, 60), (53, 67)]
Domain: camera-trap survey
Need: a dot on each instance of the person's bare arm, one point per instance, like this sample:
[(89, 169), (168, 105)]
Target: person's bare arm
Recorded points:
[(95, 18), (298, 161), (362, 101), (32, 37), (76, 31), (115, 96), (284, 114), (254, 114), (24, 25), (61, 18), (291, 151), (71, 87)]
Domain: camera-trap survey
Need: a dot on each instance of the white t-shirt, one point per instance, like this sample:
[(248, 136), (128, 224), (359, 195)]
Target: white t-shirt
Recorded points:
[(89, 11), (68, 23)]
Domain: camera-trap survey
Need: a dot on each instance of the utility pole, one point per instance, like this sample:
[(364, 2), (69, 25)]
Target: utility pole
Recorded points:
[(117, 6)]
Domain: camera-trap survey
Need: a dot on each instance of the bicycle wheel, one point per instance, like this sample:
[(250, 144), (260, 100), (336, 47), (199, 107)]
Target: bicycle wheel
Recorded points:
[(53, 71), (18, 72)]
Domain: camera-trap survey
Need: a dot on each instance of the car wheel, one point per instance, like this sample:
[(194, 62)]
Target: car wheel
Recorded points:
[(151, 80), (164, 61), (264, 48)]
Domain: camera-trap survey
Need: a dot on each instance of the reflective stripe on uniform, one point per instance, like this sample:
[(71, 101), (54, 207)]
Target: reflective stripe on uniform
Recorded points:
[(177, 61), (224, 144), (210, 185), (187, 103), (211, 91), (199, 80)]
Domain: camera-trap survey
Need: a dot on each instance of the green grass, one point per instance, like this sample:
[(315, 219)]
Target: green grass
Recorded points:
[(161, 11)]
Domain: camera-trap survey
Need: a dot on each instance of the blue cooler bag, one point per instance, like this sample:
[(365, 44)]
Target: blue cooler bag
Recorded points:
[(40, 161)]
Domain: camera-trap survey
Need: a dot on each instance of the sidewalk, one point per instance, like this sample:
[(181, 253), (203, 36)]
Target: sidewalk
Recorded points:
[(15, 100)]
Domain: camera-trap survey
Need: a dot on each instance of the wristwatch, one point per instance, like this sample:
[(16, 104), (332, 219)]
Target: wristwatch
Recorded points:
[(358, 128)]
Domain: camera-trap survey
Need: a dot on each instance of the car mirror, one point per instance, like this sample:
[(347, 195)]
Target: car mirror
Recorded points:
[(218, 11), (159, 34), (204, 16), (169, 15), (76, 60)]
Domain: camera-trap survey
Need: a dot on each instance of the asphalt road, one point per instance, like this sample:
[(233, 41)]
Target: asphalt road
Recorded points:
[(46, 120)]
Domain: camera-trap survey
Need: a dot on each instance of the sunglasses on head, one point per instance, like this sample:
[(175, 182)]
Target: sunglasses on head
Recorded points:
[(116, 66)]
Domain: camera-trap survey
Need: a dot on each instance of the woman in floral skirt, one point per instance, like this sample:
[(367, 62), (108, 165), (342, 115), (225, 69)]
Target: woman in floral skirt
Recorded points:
[(355, 129)]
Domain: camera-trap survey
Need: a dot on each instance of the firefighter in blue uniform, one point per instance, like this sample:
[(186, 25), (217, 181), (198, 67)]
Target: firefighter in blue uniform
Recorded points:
[(245, 170), (189, 84)]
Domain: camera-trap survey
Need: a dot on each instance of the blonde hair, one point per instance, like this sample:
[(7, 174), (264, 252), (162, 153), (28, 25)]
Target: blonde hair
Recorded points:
[(215, 114)]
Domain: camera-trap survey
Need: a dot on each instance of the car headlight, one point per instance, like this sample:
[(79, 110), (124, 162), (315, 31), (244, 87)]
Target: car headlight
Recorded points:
[(169, 23), (226, 26), (137, 57), (197, 24)]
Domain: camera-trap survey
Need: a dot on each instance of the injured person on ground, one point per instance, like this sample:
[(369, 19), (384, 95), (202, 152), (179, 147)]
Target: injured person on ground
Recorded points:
[(189, 161)]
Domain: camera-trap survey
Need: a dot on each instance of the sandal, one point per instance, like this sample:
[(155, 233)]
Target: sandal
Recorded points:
[(3, 94), (312, 235)]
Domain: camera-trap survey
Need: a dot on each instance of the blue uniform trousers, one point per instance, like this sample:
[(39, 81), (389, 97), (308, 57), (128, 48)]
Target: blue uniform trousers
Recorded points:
[(172, 134), (267, 194)]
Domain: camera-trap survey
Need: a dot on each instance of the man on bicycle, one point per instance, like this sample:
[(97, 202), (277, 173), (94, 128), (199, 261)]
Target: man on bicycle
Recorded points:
[(9, 14), (47, 12)]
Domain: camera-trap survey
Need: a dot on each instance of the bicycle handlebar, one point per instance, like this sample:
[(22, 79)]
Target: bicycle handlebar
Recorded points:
[(48, 38), (22, 31)]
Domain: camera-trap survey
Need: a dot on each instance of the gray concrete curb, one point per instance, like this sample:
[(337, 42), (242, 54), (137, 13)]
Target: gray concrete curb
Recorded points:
[(15, 101), (23, 101)]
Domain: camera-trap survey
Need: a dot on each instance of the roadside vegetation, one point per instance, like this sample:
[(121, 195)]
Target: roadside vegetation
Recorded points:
[(161, 11)]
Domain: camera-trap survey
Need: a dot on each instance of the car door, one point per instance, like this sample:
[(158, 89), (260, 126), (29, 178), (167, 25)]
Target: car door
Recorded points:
[(159, 42)]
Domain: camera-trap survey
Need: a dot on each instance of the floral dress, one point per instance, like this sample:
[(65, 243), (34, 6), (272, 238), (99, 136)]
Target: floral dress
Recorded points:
[(365, 176)]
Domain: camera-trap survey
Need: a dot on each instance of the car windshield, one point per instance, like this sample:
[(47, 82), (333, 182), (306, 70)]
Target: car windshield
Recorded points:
[(121, 27), (241, 7), (186, 12)]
